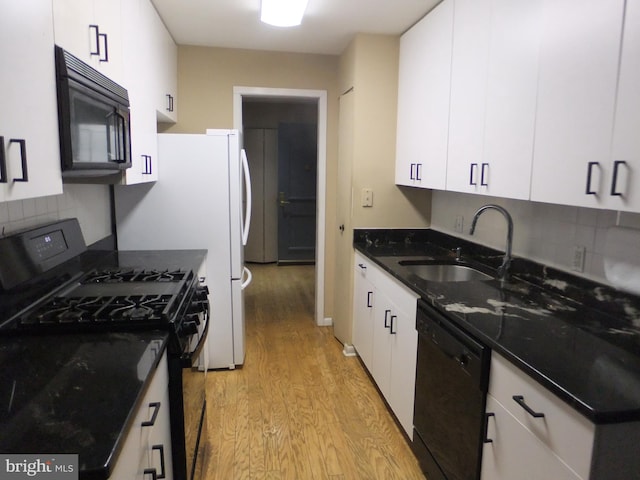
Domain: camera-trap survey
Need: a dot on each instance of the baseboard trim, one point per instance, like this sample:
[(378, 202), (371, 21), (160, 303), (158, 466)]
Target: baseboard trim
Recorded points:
[(349, 350)]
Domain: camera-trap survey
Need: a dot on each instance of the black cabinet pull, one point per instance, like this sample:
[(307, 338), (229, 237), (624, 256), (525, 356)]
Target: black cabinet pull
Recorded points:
[(472, 170), (148, 165), (3, 162), (160, 448), (169, 103), (519, 399), (386, 318), (486, 438), (369, 295), (23, 159), (590, 166), (485, 167), (391, 327), (419, 171), (96, 29), (156, 409), (411, 175), (152, 472), (362, 266), (105, 57), (614, 182)]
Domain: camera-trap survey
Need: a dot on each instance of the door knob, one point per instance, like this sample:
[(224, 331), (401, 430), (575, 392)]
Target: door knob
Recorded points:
[(282, 200)]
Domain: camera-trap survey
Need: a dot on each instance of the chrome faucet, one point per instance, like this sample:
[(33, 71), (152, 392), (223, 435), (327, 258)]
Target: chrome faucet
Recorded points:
[(503, 270)]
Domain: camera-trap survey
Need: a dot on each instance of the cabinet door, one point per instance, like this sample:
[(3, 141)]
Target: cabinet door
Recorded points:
[(516, 454), (29, 119), (469, 63), (404, 348), (165, 69), (423, 100), (509, 120), (382, 342), (577, 82), (137, 35), (626, 141), (90, 30), (364, 296)]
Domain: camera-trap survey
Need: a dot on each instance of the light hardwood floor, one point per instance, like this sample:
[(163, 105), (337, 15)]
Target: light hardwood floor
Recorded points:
[(298, 409)]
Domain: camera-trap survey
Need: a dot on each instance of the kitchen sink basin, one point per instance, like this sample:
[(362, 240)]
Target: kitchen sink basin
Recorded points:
[(443, 272)]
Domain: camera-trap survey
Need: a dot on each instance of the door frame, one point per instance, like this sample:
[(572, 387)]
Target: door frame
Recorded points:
[(321, 182)]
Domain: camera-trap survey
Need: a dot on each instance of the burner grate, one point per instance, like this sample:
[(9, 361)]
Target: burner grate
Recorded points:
[(133, 275)]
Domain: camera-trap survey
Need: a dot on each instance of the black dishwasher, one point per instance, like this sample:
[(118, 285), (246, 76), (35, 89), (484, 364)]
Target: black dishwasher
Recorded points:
[(452, 376)]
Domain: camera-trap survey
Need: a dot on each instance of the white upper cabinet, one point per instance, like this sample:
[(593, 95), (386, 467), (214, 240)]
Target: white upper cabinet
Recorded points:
[(29, 119), (512, 85), (471, 34), (91, 30), (578, 75), (423, 100), (626, 135), (493, 95), (166, 65)]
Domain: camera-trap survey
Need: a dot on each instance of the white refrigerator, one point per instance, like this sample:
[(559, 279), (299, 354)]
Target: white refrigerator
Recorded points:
[(197, 203)]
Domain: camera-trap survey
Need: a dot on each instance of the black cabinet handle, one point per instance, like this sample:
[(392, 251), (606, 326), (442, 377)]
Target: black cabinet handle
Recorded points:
[(519, 399), (23, 159), (148, 165), (419, 171), (3, 162), (386, 318), (152, 472), (472, 170), (391, 327), (97, 35), (362, 266), (486, 438), (160, 448), (590, 166), (105, 57), (485, 167), (156, 409), (411, 175), (614, 182), (169, 103), (369, 295)]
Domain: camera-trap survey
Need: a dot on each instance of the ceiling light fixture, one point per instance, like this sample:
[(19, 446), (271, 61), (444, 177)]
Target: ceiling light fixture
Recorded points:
[(283, 13)]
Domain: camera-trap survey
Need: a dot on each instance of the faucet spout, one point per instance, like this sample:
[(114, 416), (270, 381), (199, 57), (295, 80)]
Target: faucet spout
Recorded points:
[(503, 270)]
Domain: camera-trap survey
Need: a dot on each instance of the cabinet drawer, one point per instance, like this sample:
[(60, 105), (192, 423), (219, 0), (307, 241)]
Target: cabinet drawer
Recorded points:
[(567, 433)]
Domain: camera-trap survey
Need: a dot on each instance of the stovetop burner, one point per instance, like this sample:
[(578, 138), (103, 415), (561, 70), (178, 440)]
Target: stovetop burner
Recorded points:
[(98, 310), (133, 275)]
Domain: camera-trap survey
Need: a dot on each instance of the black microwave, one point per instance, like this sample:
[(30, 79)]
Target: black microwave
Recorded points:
[(93, 117)]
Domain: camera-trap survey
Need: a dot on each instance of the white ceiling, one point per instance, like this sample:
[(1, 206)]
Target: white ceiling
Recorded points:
[(327, 27)]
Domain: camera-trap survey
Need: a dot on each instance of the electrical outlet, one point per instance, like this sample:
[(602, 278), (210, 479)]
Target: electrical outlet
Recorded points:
[(577, 260), (367, 197), (459, 224)]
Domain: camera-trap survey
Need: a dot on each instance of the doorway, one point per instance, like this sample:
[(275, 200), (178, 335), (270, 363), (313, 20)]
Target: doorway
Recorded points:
[(244, 96), (280, 138)]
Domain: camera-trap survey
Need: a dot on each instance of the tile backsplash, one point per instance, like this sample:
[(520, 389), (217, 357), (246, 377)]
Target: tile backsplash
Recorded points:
[(545, 233), (89, 203)]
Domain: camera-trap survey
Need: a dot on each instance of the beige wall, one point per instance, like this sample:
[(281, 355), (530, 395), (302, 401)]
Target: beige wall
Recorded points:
[(369, 73), (206, 77)]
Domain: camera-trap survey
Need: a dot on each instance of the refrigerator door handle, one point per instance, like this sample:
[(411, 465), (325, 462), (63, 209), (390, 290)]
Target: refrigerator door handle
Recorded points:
[(247, 183), (246, 282)]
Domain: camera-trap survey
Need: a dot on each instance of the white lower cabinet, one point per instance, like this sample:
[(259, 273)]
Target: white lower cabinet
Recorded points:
[(385, 336), (515, 453), (146, 452)]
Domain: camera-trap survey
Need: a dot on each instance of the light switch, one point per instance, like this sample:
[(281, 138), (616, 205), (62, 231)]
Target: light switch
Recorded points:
[(367, 197)]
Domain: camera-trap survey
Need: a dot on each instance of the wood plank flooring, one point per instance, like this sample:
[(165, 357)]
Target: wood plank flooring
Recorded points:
[(298, 409)]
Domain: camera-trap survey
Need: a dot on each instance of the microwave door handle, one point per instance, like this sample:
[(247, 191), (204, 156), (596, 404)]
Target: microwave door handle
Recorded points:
[(120, 136)]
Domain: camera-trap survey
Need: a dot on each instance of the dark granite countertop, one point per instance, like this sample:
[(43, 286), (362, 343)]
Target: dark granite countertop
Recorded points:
[(578, 338), (74, 393), (77, 393)]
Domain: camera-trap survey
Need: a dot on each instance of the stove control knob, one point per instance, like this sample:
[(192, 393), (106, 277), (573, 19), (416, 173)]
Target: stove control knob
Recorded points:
[(189, 328), (201, 292), (193, 318)]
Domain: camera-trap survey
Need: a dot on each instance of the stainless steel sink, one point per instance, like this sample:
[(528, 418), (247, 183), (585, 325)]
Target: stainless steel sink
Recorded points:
[(439, 272)]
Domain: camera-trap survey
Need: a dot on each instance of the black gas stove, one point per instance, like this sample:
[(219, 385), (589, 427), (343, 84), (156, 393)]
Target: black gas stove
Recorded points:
[(51, 284), (105, 298)]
